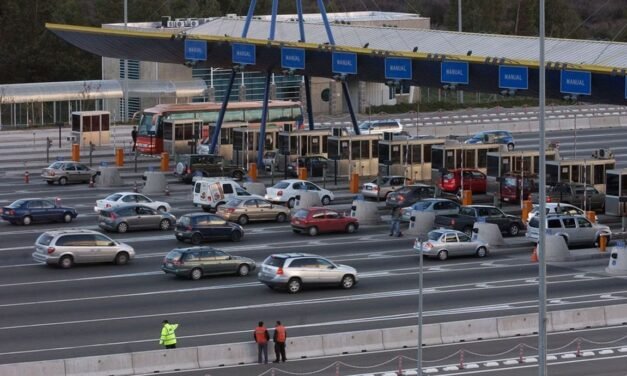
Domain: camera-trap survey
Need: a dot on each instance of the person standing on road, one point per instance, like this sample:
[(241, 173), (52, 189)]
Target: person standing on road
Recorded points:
[(134, 137), (395, 226), (280, 335), (168, 337), (262, 337)]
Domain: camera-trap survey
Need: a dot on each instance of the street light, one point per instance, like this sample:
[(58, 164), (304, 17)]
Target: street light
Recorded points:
[(418, 242)]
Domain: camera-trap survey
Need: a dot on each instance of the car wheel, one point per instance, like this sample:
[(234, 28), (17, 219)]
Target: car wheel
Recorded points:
[(291, 202), (242, 220), (326, 200), (514, 230), (122, 227), (62, 181), (50, 182), (442, 255), (510, 147), (281, 217), (66, 262), (237, 175), (180, 239), (243, 270), (312, 231), (294, 285), (27, 220), (196, 239), (236, 236), (348, 281), (482, 252), (295, 231), (218, 205), (162, 209), (206, 208), (350, 228), (164, 224), (121, 258), (195, 274), (67, 217), (468, 231)]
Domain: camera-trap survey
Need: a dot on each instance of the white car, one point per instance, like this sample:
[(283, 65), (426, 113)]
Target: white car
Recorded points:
[(551, 209), (285, 192), (124, 198)]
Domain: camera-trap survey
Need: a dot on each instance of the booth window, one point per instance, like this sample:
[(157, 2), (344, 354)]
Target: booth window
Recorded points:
[(574, 174), (365, 149), (493, 165), (325, 139), (449, 162), (226, 136), (469, 158), (551, 174), (293, 145), (396, 154), (375, 148), (426, 150), (238, 141), (283, 143), (269, 144), (623, 191), (314, 144), (356, 149), (611, 188), (482, 160), (416, 153), (437, 159), (599, 173), (344, 149), (167, 131), (384, 152), (333, 149)]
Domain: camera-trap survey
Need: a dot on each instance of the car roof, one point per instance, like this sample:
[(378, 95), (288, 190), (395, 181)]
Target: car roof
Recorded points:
[(71, 231), (464, 169), (481, 206), (294, 181), (419, 185), (198, 214), (293, 255), (447, 231), (433, 199)]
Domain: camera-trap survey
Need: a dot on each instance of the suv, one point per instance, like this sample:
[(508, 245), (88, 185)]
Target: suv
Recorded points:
[(190, 165), (576, 230), (295, 270), (67, 247), (493, 137), (196, 262)]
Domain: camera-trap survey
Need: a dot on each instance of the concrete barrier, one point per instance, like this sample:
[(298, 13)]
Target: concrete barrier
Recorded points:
[(307, 200), (422, 223), (556, 249), (517, 325), (228, 354), (352, 342), (109, 177), (255, 188), (366, 212), (165, 360), (407, 336), (304, 347), (468, 330), (102, 365), (618, 261), (155, 182), (615, 314), (578, 318), (43, 368), (489, 233)]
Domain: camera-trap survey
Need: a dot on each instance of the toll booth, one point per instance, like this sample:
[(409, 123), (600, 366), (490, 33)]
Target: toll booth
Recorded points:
[(246, 143), (353, 153), (590, 171), (526, 161), (91, 126), (225, 142), (181, 136), (407, 156), (302, 142), (453, 155), (616, 192)]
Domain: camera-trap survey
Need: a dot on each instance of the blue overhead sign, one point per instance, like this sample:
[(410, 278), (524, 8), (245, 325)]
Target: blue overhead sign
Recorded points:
[(454, 72), (397, 68), (576, 82), (292, 58), (513, 77), (243, 53), (344, 63), (195, 50)]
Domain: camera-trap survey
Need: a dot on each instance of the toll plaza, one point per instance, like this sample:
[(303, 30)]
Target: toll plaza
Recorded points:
[(407, 156), (301, 142), (246, 143), (616, 193), (181, 136), (525, 161), (453, 155), (353, 154), (589, 171)]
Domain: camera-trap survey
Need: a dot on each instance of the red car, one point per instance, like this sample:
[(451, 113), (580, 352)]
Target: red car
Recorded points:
[(474, 180), (314, 221)]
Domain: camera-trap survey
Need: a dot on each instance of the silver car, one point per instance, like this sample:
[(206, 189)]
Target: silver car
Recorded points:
[(575, 229), (68, 247), (443, 243), (68, 172), (439, 206), (295, 270), (381, 186), (135, 217)]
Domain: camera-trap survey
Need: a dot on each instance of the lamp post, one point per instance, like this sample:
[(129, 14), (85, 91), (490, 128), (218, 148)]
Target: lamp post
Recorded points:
[(419, 241)]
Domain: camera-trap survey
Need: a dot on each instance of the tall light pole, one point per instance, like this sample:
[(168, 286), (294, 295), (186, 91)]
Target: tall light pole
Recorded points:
[(126, 64), (459, 29), (419, 242)]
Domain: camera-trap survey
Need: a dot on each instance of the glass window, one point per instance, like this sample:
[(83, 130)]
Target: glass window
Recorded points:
[(128, 198), (554, 223), (449, 160), (298, 263), (323, 264), (482, 158), (469, 158), (264, 204), (332, 215), (251, 203), (318, 215), (494, 212), (384, 152), (314, 144), (227, 189), (192, 256), (333, 149), (34, 204), (493, 165), (355, 149), (450, 238), (324, 143), (599, 174), (365, 149), (426, 153), (416, 153), (463, 237), (253, 115), (79, 240), (396, 154), (569, 222), (234, 116), (623, 191), (46, 204), (207, 254), (217, 221), (103, 241), (142, 199), (582, 222)]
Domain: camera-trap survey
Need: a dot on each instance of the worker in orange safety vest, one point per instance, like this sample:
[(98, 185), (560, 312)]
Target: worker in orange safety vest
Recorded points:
[(262, 337), (280, 335)]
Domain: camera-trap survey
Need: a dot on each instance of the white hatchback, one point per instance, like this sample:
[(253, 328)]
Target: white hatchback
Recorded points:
[(125, 198), (285, 192)]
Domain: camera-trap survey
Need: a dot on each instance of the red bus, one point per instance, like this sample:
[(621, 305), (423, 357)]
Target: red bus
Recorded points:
[(150, 132)]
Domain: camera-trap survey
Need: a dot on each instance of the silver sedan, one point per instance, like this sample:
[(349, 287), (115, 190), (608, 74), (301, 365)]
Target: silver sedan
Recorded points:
[(443, 243)]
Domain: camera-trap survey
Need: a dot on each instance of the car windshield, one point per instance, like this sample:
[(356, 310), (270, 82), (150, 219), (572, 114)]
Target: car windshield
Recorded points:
[(17, 204), (44, 239), (113, 197), (449, 175), (281, 185), (185, 221), (434, 235), (510, 181), (301, 213), (56, 165)]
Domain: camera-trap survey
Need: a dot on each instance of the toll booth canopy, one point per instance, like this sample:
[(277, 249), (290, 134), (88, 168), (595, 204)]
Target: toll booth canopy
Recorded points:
[(181, 136), (296, 143), (527, 162), (588, 171), (406, 156), (616, 192), (453, 155), (246, 143), (354, 154)]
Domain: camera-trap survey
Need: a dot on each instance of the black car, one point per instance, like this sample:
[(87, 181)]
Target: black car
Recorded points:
[(199, 227), (315, 165), (27, 211), (410, 194), (196, 262), (206, 165)]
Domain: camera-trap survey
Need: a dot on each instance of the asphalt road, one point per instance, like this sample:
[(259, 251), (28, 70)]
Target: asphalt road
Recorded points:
[(49, 313)]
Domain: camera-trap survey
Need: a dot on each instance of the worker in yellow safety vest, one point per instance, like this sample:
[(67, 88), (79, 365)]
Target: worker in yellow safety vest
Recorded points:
[(168, 338)]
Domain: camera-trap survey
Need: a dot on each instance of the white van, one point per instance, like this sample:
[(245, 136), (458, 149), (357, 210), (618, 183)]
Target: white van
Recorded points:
[(209, 193)]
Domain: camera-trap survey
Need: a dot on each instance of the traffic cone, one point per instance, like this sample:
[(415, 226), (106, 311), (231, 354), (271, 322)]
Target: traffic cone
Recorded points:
[(534, 255), (167, 190)]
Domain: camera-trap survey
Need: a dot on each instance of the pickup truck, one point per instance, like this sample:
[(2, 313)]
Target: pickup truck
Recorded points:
[(573, 193), (468, 215)]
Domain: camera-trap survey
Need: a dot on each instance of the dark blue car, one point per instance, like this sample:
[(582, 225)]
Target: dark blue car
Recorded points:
[(200, 227), (27, 211), (493, 137)]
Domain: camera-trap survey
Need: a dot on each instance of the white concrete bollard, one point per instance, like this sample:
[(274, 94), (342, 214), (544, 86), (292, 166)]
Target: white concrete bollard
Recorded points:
[(366, 212), (556, 249), (255, 188), (488, 233), (155, 182), (109, 177), (421, 224), (618, 261), (307, 200)]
